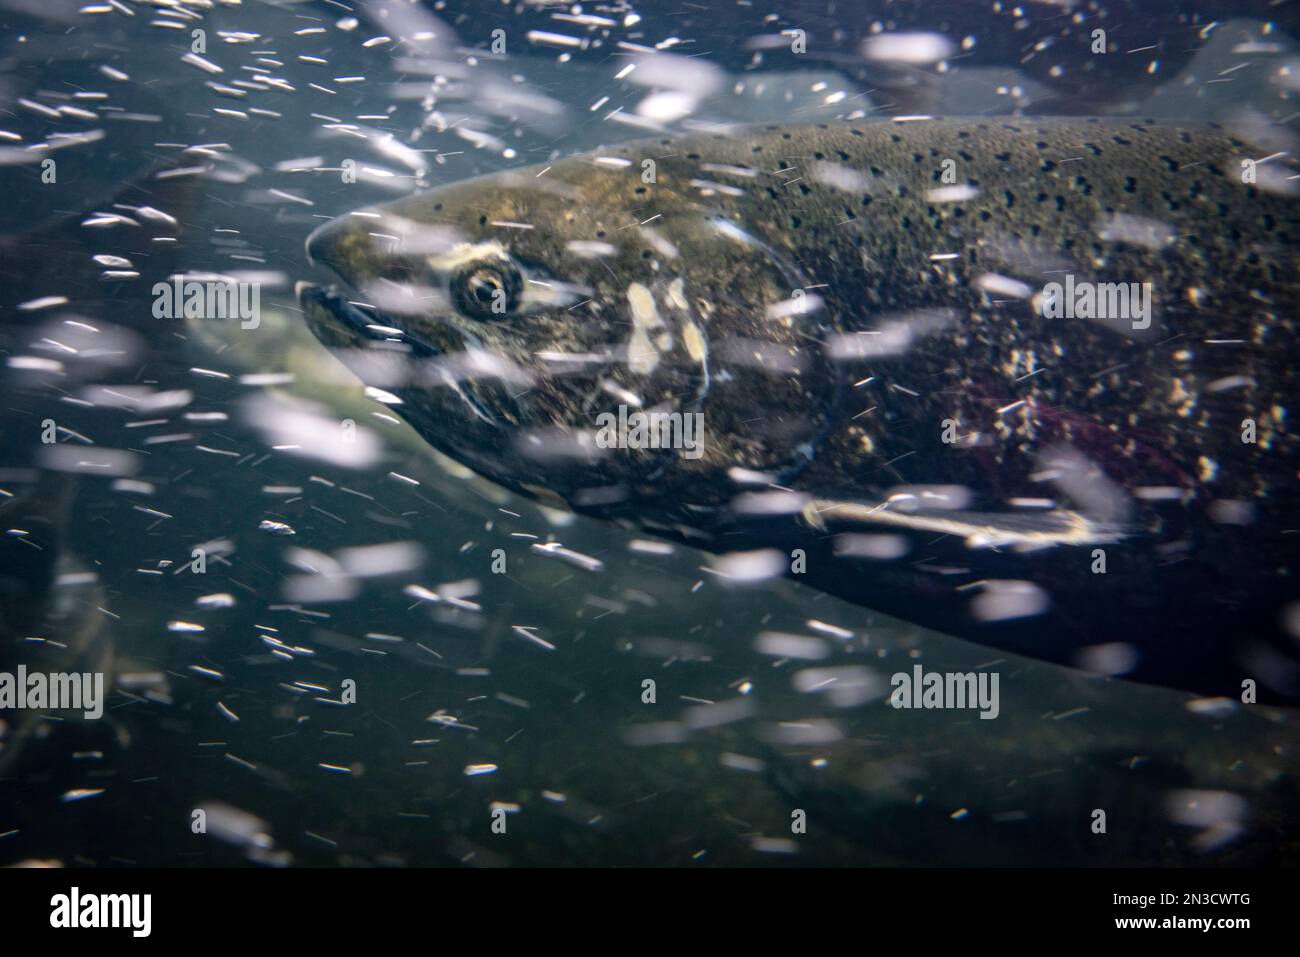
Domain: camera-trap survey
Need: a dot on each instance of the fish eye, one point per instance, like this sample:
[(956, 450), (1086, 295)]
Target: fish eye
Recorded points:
[(486, 290)]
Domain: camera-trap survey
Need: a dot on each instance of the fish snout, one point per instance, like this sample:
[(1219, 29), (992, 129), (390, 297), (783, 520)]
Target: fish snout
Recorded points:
[(324, 245)]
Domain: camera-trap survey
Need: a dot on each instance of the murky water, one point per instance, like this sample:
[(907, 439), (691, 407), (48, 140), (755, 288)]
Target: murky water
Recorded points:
[(343, 648)]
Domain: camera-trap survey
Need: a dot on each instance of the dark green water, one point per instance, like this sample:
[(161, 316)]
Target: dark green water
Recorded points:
[(736, 746)]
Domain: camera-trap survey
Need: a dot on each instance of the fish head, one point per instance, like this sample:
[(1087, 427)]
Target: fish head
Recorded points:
[(512, 318)]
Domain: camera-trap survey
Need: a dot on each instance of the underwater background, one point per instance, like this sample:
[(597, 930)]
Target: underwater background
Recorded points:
[(230, 682)]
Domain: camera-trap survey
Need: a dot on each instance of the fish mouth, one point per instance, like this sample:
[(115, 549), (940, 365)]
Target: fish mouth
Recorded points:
[(354, 323), (329, 300), (353, 320)]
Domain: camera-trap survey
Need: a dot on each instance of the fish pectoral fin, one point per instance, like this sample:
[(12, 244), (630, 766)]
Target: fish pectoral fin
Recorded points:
[(1024, 531)]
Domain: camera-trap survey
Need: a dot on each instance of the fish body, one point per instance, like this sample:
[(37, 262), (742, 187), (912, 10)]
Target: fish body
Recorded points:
[(50, 621), (52, 617), (1026, 382)]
